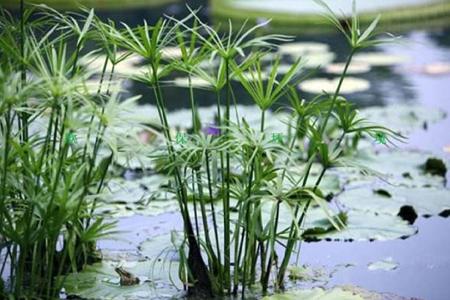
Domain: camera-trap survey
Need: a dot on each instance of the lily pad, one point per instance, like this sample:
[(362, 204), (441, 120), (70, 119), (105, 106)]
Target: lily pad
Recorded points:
[(378, 59), (319, 85), (437, 68), (282, 69), (143, 196), (353, 68), (252, 76), (301, 48), (425, 201), (308, 273), (329, 185), (316, 293), (405, 168), (100, 281), (403, 118), (171, 53), (162, 246), (315, 60), (196, 82), (127, 67), (387, 264), (446, 149), (361, 226)]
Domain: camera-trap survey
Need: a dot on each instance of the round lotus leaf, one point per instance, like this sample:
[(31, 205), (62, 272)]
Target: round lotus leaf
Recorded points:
[(389, 199), (387, 264), (437, 68), (301, 48), (360, 226), (353, 68), (171, 53), (319, 85), (252, 76), (145, 196), (101, 281), (398, 167), (196, 82), (403, 117), (316, 293), (378, 59)]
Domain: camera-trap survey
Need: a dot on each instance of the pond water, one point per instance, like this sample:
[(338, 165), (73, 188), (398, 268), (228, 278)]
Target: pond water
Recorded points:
[(423, 259)]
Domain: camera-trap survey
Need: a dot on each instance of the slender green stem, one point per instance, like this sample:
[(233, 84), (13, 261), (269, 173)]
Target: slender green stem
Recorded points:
[(7, 136), (246, 229), (226, 202), (260, 247), (213, 212), (338, 89), (194, 201), (291, 241), (266, 275), (203, 211), (193, 106), (291, 147), (91, 121), (23, 75)]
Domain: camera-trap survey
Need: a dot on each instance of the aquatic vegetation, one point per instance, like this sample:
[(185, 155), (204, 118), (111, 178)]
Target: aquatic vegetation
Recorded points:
[(52, 128), (249, 188), (250, 168), (354, 68), (320, 85), (378, 59), (387, 264)]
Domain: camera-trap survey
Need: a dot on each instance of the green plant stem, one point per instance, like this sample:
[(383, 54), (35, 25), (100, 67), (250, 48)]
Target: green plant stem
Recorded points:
[(91, 121), (195, 258), (49, 209), (194, 201), (55, 133), (23, 74), (193, 106), (226, 202), (237, 251), (165, 126), (246, 231), (235, 108), (336, 93), (261, 243), (265, 280), (266, 275), (291, 241), (291, 147), (203, 211), (213, 212), (7, 136)]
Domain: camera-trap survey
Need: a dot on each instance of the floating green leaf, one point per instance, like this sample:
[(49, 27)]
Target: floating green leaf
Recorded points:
[(349, 85), (100, 281), (386, 264), (316, 293), (425, 201), (403, 117), (361, 226), (377, 59), (353, 68)]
